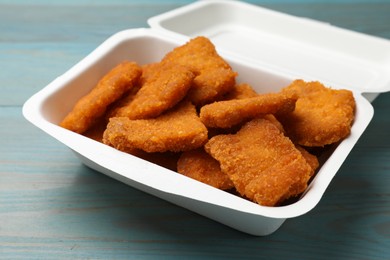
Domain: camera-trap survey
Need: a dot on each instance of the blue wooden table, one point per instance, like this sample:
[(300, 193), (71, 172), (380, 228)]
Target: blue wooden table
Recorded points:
[(52, 206)]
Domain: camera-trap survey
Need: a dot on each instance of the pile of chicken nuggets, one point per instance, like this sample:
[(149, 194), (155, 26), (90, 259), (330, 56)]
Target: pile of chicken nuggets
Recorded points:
[(188, 113)]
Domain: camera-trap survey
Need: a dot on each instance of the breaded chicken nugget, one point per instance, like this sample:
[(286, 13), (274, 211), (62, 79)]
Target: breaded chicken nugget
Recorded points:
[(163, 86), (148, 71), (110, 88), (199, 165), (214, 75), (225, 114), (124, 101), (262, 163), (180, 129), (322, 115)]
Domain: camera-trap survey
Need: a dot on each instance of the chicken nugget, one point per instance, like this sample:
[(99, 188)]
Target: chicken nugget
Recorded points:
[(179, 129), (148, 71), (110, 88), (163, 86), (214, 77), (199, 165), (227, 113), (322, 115), (124, 101), (262, 163)]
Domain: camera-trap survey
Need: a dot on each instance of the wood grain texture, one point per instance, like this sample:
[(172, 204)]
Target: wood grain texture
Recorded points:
[(52, 206)]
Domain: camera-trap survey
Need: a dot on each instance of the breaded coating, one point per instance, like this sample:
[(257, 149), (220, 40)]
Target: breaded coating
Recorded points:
[(275, 121), (311, 159), (124, 101), (163, 86), (214, 77), (225, 114), (240, 91), (110, 88), (199, 165), (322, 115), (148, 71), (262, 163), (180, 129)]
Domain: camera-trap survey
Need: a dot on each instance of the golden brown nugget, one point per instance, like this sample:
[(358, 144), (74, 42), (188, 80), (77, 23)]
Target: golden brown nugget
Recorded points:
[(225, 114), (199, 165), (163, 87), (124, 101), (214, 77), (322, 115), (262, 163), (148, 71), (110, 88), (180, 129)]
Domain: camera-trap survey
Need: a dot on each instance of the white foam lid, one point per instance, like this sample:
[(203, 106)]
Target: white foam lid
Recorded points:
[(301, 47)]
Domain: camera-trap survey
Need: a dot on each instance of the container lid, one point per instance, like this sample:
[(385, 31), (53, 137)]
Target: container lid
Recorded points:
[(300, 47)]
